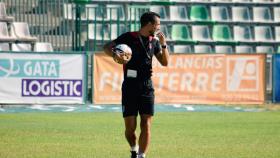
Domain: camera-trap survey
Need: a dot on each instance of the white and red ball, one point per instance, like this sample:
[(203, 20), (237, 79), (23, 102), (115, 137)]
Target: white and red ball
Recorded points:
[(123, 48)]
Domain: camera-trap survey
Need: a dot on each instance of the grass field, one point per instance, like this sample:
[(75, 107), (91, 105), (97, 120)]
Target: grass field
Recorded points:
[(174, 135)]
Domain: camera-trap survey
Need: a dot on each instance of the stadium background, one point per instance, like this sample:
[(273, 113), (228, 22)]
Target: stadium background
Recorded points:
[(191, 27), (72, 32)]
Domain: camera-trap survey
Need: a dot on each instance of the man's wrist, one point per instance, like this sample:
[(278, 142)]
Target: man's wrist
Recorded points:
[(164, 46)]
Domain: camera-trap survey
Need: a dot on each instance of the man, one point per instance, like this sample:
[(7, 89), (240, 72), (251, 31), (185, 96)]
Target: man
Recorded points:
[(137, 87)]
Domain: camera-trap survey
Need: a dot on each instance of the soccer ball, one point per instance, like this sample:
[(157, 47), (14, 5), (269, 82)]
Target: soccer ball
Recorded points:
[(125, 50)]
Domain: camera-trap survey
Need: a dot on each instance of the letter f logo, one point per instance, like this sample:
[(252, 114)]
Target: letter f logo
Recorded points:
[(242, 74)]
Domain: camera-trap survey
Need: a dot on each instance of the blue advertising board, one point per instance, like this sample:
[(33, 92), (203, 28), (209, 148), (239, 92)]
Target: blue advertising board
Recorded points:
[(276, 78)]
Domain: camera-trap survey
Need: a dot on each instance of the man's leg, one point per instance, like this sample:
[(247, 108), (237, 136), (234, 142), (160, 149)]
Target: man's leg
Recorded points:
[(130, 127), (145, 135)]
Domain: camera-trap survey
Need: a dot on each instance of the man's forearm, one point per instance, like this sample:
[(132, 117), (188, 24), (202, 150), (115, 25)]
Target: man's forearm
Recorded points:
[(108, 48), (165, 56)]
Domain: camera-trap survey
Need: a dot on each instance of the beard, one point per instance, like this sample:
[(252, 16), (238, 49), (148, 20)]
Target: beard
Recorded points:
[(153, 32)]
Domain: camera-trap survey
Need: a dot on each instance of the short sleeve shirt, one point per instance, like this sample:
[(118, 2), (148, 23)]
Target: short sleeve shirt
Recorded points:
[(142, 53)]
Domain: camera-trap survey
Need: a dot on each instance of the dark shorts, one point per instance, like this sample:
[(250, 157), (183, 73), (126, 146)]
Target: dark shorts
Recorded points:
[(137, 97)]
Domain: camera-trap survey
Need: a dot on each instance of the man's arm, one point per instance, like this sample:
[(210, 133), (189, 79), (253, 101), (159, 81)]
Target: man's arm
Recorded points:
[(162, 56), (108, 48)]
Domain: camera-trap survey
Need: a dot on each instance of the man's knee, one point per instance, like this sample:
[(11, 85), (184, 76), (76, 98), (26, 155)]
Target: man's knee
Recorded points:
[(145, 124), (130, 124), (130, 130)]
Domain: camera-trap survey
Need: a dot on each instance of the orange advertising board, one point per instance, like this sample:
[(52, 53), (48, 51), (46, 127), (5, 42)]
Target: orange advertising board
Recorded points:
[(190, 79)]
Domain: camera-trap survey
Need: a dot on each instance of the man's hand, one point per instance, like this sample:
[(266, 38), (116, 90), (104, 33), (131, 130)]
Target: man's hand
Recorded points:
[(161, 38), (164, 55)]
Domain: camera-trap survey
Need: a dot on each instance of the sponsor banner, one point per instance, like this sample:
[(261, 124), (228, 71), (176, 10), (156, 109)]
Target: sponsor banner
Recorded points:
[(190, 79), (42, 78), (107, 80), (276, 78), (13, 68), (51, 88)]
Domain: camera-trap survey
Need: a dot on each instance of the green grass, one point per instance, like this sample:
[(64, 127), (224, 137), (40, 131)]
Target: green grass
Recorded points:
[(174, 135)]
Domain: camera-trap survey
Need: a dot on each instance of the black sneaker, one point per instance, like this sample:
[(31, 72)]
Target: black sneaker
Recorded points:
[(133, 154)]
